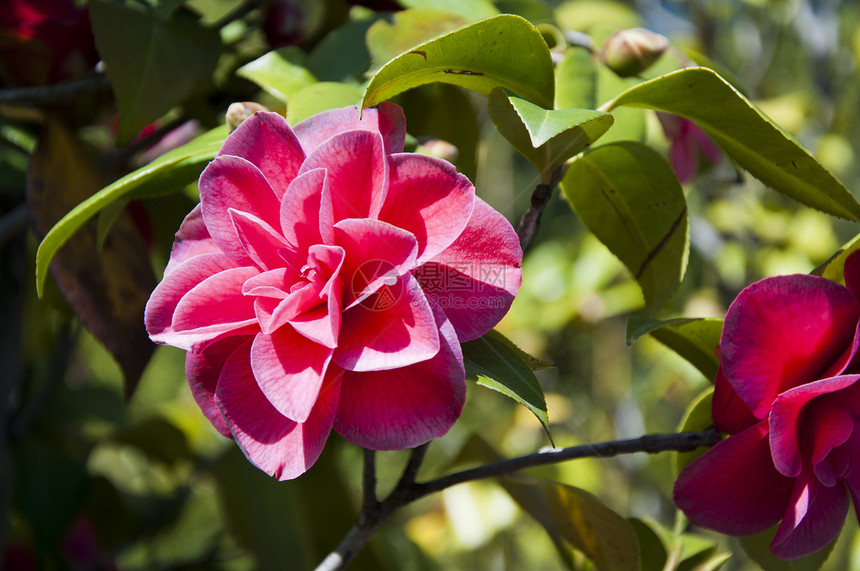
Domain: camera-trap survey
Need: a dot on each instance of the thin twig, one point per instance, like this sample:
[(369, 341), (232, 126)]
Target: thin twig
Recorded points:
[(407, 490), (368, 481), (63, 91), (530, 222)]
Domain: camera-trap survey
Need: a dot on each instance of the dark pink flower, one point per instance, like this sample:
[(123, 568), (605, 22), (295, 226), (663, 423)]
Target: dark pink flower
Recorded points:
[(788, 394), (325, 281), (689, 146)]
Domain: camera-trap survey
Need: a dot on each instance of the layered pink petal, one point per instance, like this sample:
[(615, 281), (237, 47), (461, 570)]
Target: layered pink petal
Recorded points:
[(430, 199), (733, 488), (306, 211), (203, 368), (192, 239), (782, 332), (265, 140), (392, 328), (376, 253), (475, 279), (729, 411), (289, 370), (259, 240), (356, 173), (406, 407), (785, 427), (322, 324), (212, 308), (275, 444), (233, 183), (814, 518), (387, 119), (184, 277)]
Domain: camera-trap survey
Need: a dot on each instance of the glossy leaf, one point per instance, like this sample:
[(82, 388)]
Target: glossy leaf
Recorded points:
[(545, 138), (576, 80), (697, 418), (757, 547), (107, 289), (466, 9), (166, 173), (628, 196), (696, 340), (152, 63), (746, 134), (494, 362), (319, 97), (502, 51), (280, 73), (582, 521)]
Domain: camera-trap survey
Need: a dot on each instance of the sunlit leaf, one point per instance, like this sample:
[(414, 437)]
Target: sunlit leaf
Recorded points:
[(319, 97), (153, 63), (386, 40), (546, 138), (695, 340), (628, 196), (107, 289), (576, 80), (169, 172), (496, 363), (747, 135), (834, 268), (583, 521), (466, 9), (697, 418), (280, 73), (502, 51)]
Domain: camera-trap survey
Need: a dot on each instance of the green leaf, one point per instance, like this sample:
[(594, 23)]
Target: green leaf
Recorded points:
[(653, 552), (280, 73), (467, 9), (496, 363), (697, 418), (319, 97), (746, 134), (545, 138), (152, 63), (758, 548), (502, 51), (168, 172), (342, 54), (694, 339), (834, 268), (630, 123), (576, 80), (628, 196), (581, 520)]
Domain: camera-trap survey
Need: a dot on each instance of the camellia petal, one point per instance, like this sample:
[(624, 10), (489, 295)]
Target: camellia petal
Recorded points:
[(734, 488), (731, 414), (814, 518), (203, 368), (387, 119), (265, 140), (405, 407), (259, 240), (475, 279), (277, 445), (192, 239), (782, 332), (356, 173), (430, 199), (307, 219)]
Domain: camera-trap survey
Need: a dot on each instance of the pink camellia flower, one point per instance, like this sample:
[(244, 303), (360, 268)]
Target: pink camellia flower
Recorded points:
[(788, 394), (689, 146), (325, 281)]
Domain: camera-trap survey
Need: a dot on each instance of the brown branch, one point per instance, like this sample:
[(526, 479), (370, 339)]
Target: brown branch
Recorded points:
[(408, 490), (63, 91)]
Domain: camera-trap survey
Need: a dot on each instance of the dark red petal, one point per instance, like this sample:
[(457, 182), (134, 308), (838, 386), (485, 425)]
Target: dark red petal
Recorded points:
[(730, 413), (814, 518)]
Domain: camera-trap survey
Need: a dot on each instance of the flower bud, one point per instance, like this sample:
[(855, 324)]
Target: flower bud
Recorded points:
[(238, 112), (439, 149), (630, 52)]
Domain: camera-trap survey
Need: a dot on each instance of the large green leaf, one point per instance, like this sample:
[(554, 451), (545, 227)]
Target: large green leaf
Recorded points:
[(576, 80), (628, 196), (496, 363), (581, 520), (168, 172), (153, 63), (280, 73), (546, 138), (467, 9), (694, 339), (319, 97), (502, 51), (387, 40), (746, 134)]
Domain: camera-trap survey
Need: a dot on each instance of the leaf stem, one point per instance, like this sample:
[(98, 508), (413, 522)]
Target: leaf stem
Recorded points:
[(407, 490), (530, 222)]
